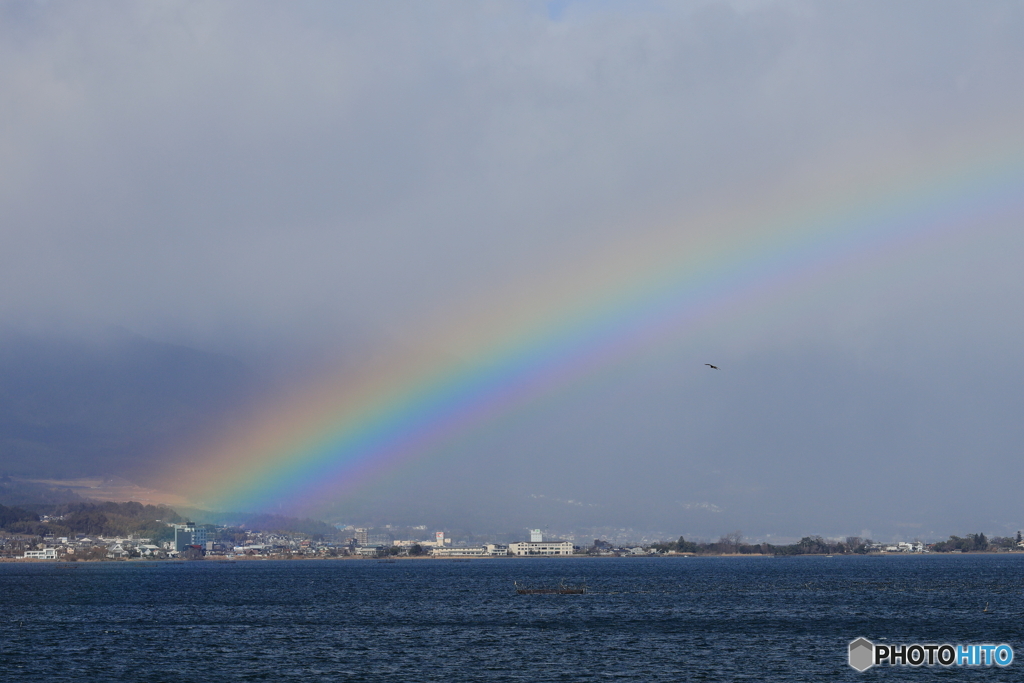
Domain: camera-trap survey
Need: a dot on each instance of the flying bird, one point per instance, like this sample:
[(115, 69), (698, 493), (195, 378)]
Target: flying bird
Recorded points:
[(713, 367)]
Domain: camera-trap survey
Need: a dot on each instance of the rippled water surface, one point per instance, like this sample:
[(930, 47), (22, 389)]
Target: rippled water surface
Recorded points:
[(645, 619)]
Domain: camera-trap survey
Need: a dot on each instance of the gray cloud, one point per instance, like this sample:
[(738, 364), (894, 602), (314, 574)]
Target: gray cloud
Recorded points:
[(202, 166)]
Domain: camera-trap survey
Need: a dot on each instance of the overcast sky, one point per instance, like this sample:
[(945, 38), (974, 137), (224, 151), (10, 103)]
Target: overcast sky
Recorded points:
[(319, 180)]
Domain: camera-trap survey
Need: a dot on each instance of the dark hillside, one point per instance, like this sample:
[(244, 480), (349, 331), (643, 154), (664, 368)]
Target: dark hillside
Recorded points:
[(73, 407)]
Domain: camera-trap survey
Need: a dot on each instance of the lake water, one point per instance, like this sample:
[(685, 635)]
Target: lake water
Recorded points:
[(644, 619)]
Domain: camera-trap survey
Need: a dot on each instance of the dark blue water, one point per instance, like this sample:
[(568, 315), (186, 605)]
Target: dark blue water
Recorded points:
[(649, 619)]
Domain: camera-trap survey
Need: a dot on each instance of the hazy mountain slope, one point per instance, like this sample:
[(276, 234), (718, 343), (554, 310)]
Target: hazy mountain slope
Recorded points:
[(106, 404)]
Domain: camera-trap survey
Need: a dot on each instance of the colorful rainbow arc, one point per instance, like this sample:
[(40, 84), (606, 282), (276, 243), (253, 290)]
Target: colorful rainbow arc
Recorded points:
[(342, 435)]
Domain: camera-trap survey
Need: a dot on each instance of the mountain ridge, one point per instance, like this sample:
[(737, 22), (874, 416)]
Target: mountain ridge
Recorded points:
[(108, 404)]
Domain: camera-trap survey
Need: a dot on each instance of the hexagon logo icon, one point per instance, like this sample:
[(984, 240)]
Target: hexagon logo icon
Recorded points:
[(862, 654)]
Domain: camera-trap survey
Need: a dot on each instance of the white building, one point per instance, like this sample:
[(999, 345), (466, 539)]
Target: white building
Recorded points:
[(489, 550), (540, 548), (478, 551), (117, 551), (439, 541), (904, 547), (47, 554), (188, 534)]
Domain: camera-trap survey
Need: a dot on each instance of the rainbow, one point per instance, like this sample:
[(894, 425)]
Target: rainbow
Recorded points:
[(351, 428)]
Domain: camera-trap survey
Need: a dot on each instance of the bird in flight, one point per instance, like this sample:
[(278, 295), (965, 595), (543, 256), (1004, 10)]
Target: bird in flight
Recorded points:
[(713, 367)]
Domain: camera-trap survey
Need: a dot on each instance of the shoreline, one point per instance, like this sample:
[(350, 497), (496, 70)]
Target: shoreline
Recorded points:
[(221, 559)]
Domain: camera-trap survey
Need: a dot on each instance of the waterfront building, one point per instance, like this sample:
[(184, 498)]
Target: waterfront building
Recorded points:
[(476, 551), (489, 550), (188, 534), (540, 548)]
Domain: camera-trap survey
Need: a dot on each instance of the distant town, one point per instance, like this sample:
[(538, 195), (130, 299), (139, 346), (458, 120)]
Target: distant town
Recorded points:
[(132, 531)]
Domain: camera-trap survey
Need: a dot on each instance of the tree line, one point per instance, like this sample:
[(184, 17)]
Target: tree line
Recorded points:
[(732, 544), (976, 543)]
